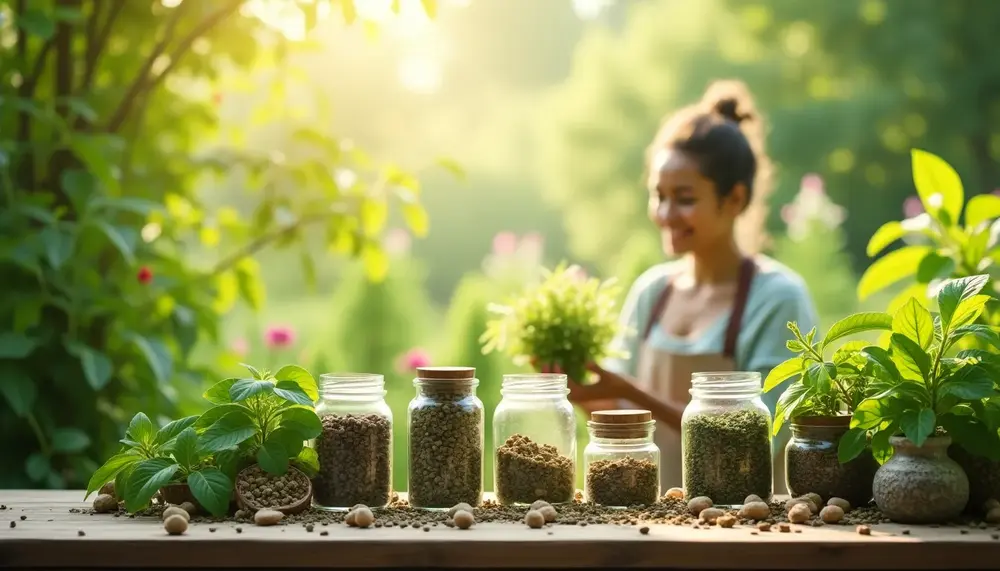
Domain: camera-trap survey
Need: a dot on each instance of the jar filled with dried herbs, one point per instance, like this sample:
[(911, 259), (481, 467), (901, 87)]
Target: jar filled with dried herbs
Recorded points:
[(445, 439), (726, 438), (621, 461), (534, 432), (354, 449)]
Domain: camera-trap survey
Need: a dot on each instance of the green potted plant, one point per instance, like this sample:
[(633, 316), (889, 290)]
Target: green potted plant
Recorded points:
[(922, 400), (566, 321), (818, 406)]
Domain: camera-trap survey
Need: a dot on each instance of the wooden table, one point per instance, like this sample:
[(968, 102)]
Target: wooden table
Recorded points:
[(48, 537)]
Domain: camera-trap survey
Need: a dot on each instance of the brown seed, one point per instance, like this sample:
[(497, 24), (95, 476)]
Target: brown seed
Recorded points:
[(784, 527), (841, 503), (534, 519), (800, 513), (727, 521), (864, 530), (831, 514), (764, 526), (754, 533), (324, 533), (267, 517), (363, 517), (644, 530), (463, 519), (80, 533), (175, 524)]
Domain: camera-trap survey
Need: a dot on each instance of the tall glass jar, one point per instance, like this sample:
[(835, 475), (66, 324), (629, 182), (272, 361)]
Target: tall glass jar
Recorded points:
[(726, 438), (354, 448), (534, 435), (621, 461), (445, 439)]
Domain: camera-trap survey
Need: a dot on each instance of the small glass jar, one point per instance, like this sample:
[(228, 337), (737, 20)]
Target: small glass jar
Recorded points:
[(534, 435), (354, 448), (621, 461), (726, 439), (445, 439), (812, 463)]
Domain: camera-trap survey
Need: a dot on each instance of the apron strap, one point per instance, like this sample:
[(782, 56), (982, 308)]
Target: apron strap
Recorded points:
[(747, 270)]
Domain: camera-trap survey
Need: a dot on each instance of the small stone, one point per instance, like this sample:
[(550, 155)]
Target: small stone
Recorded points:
[(644, 530), (534, 519), (324, 533), (751, 499), (24, 517), (239, 530), (754, 533), (800, 513), (350, 518), (764, 526), (990, 504), (105, 503), (460, 506), (363, 517), (755, 511), (699, 504), (841, 503), (784, 527), (995, 536), (309, 527), (797, 530), (905, 532), (80, 533), (993, 516), (816, 499), (241, 514), (539, 504), (864, 530), (549, 513), (831, 514), (211, 530), (426, 528), (799, 501), (710, 515), (174, 510), (464, 519), (726, 521), (13, 524), (676, 493), (963, 531), (189, 507), (267, 517), (175, 524)]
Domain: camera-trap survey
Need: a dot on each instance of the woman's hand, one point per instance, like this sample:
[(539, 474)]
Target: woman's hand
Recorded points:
[(609, 386)]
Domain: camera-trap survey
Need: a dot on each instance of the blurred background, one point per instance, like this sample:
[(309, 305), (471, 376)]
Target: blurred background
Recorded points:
[(163, 188)]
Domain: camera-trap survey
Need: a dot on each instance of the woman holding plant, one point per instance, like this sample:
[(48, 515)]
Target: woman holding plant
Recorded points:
[(717, 307)]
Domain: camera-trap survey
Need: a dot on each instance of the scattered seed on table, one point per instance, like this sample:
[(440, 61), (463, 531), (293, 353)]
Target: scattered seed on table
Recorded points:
[(963, 531), (995, 536), (211, 530), (324, 533), (784, 527), (309, 527), (906, 532), (644, 530), (864, 530), (239, 530), (24, 517), (81, 533), (13, 524), (426, 528)]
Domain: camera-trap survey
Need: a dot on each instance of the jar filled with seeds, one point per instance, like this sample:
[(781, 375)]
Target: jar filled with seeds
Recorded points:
[(726, 438), (354, 448), (445, 439), (534, 433), (621, 461)]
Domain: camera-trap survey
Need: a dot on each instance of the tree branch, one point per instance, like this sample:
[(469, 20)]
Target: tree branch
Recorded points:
[(97, 41), (263, 240), (143, 81)]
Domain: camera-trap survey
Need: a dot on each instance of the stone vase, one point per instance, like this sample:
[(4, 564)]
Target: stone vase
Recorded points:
[(983, 474), (812, 464), (921, 484)]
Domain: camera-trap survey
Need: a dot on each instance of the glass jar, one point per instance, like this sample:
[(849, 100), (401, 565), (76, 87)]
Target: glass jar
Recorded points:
[(445, 439), (812, 463), (621, 461), (354, 448), (534, 435), (726, 439)]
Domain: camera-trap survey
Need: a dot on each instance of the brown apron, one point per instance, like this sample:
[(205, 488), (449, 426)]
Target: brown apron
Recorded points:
[(668, 375)]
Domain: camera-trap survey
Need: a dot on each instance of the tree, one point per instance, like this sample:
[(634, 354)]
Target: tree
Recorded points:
[(103, 109)]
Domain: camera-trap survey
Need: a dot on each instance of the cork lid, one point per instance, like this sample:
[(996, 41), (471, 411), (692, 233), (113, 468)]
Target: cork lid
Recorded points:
[(628, 416), (446, 373)]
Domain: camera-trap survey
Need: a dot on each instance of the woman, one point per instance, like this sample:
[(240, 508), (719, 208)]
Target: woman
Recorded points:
[(716, 307)]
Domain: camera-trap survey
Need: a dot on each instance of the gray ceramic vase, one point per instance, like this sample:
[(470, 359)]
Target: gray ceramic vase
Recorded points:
[(921, 484)]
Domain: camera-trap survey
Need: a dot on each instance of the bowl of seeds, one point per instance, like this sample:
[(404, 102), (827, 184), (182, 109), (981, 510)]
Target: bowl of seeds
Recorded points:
[(290, 493)]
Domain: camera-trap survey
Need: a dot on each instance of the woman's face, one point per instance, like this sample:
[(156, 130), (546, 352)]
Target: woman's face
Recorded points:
[(684, 204)]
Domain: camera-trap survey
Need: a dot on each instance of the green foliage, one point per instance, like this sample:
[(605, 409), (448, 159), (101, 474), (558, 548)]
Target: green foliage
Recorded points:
[(103, 233), (567, 320), (918, 387), (938, 246), (822, 386)]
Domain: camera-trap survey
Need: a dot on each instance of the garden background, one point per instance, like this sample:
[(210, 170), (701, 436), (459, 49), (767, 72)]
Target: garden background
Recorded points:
[(188, 185)]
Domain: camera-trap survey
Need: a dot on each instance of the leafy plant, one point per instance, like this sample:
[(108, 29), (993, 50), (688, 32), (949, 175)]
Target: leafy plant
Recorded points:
[(567, 320), (264, 419), (918, 389), (152, 459), (938, 246), (825, 387)]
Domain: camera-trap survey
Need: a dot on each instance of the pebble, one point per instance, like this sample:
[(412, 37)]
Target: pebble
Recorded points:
[(105, 503), (267, 517), (864, 530), (699, 504), (841, 503), (549, 513), (800, 513), (239, 530), (174, 510), (831, 514), (993, 516), (644, 530), (462, 506), (80, 533), (534, 519), (764, 526), (175, 524), (211, 530), (24, 517), (677, 493), (784, 527), (726, 521), (463, 519), (13, 524), (324, 533), (963, 531), (905, 532), (309, 527)]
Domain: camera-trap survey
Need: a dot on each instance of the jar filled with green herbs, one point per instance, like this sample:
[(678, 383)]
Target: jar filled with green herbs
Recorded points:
[(621, 461), (446, 437), (726, 438)]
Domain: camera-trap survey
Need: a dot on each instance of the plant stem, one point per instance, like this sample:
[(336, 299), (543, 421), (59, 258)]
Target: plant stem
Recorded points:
[(37, 429)]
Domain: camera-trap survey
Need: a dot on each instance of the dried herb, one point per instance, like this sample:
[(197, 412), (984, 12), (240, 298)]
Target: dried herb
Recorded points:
[(446, 449), (727, 456), (355, 461), (527, 471), (622, 482)]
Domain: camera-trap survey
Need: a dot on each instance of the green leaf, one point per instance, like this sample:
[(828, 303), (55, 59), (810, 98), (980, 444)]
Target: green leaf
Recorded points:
[(881, 359), (18, 389), (109, 470), (37, 23), (852, 444), (375, 261), (228, 461), (59, 246), (227, 432), (246, 388), (954, 292), (889, 269), (969, 310), (97, 367), (981, 208), (308, 269), (787, 404), (292, 392), (37, 466), (912, 361), (140, 429), (980, 331), (212, 489), (16, 345), (783, 372), (253, 371), (430, 8), (219, 392), (92, 150), (884, 236), (347, 9), (868, 414), (290, 438), (918, 425), (69, 440), (301, 377), (172, 429), (157, 355), (972, 434), (416, 219), (124, 246), (373, 214), (302, 420), (273, 457), (915, 322), (122, 478), (148, 477), (857, 323), (307, 461), (212, 415), (971, 382), (938, 185), (881, 449), (186, 448), (934, 266), (250, 286)]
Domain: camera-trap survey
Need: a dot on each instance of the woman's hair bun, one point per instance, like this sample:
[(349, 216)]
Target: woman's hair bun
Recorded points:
[(731, 100)]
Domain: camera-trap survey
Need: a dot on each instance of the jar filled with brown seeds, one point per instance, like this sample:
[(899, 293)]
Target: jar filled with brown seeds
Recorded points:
[(445, 439), (534, 432), (354, 449), (621, 461)]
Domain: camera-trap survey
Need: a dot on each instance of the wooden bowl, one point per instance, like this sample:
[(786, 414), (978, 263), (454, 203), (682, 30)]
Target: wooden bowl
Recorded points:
[(177, 494), (297, 507)]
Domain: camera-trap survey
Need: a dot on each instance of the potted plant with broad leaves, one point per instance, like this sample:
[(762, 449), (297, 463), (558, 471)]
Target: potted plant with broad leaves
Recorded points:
[(170, 460), (263, 423), (922, 400), (818, 406)]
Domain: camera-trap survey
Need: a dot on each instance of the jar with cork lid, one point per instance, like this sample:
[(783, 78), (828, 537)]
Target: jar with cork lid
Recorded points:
[(445, 422), (621, 461)]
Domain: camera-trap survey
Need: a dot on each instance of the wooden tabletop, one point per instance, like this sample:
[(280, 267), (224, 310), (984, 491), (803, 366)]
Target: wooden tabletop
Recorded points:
[(48, 537)]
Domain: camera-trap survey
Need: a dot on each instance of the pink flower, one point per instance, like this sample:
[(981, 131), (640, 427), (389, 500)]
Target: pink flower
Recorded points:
[(240, 347), (504, 243), (279, 336), (788, 214), (812, 182), (912, 207), (578, 273), (414, 359)]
